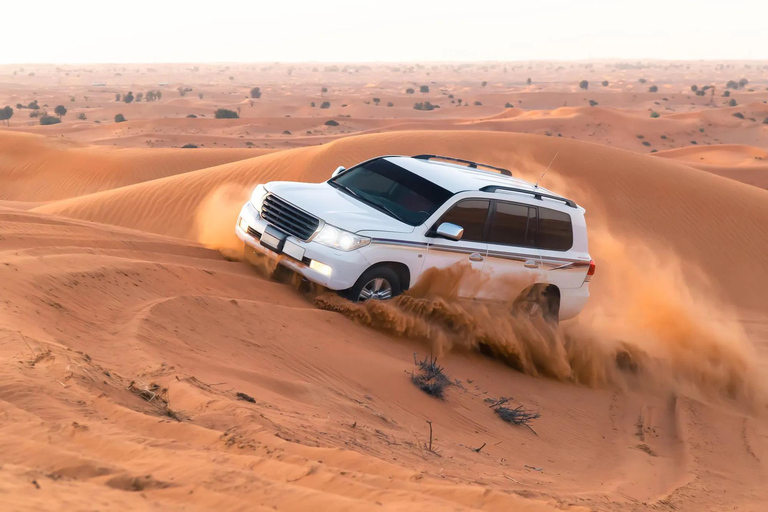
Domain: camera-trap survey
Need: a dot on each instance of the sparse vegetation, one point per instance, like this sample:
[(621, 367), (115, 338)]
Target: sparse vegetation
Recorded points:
[(224, 113), (654, 114), (325, 104), (409, 91), (331, 122), (694, 88), (390, 104), (81, 116), (592, 103), (584, 85), (424, 88), (118, 96), (183, 90), (517, 416), (508, 105), (642, 80), (739, 115), (192, 116), (653, 88), (60, 110), (47, 120), (120, 118), (153, 95), (484, 83), (424, 106), (128, 98), (189, 146), (431, 378), (732, 103), (256, 93), (604, 83), (726, 94)]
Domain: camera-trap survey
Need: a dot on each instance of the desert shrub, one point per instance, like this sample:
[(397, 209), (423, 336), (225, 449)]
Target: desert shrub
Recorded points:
[(189, 146), (478, 103), (256, 93), (46, 120), (192, 116), (701, 92), (35, 113), (765, 121), (664, 137), (60, 110), (331, 122), (604, 83), (592, 103), (516, 416), (390, 104), (484, 83), (739, 115), (508, 105), (409, 91), (642, 80), (424, 106), (732, 84), (431, 378), (33, 105), (694, 88), (424, 88), (325, 104), (286, 132), (584, 85), (6, 113), (153, 95), (183, 90), (743, 82), (224, 113), (128, 98), (653, 88), (528, 81), (120, 118), (19, 106), (732, 103), (727, 94), (82, 116), (706, 87), (376, 100), (646, 143), (139, 96), (654, 114), (118, 96), (312, 104)]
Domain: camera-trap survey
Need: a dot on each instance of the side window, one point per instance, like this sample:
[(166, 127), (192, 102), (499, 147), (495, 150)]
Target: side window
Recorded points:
[(470, 214), (555, 230), (513, 224)]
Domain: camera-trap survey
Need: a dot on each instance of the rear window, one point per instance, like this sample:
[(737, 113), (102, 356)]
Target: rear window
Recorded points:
[(513, 224), (555, 230), (470, 215)]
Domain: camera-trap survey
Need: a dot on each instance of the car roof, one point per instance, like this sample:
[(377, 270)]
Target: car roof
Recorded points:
[(459, 178)]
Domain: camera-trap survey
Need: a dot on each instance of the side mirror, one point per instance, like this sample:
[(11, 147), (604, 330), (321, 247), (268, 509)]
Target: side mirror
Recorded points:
[(340, 169), (450, 231)]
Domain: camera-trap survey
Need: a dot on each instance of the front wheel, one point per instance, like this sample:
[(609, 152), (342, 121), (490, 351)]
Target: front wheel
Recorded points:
[(379, 283)]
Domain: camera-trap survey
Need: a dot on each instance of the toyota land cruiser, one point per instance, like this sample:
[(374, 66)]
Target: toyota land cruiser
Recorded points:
[(371, 230)]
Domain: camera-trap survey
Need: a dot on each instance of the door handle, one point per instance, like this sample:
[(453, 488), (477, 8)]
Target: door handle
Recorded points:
[(530, 264), (476, 256)]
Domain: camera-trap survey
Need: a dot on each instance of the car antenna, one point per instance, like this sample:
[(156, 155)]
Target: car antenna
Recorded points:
[(545, 171)]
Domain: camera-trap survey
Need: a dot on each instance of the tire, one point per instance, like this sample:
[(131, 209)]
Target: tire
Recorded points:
[(538, 302), (381, 282)]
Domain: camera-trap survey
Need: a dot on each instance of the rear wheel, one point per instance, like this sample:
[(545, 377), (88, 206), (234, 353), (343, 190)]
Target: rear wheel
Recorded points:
[(379, 283), (539, 301)]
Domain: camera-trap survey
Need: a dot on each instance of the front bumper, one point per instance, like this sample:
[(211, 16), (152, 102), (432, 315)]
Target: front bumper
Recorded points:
[(345, 267)]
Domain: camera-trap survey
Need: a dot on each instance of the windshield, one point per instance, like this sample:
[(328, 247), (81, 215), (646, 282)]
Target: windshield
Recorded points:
[(395, 191)]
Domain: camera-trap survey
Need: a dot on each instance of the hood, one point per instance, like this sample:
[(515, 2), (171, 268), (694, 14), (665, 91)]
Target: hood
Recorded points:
[(336, 207)]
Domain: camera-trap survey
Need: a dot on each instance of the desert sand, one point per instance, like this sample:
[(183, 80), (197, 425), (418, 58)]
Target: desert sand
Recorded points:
[(147, 368)]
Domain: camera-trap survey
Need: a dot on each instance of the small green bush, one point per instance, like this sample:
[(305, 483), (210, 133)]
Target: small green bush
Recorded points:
[(424, 88), (584, 85), (189, 146), (224, 113), (120, 118), (46, 120), (654, 114), (331, 122)]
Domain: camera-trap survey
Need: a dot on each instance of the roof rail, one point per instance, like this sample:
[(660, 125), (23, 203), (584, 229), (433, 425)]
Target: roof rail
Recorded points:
[(535, 193), (470, 163)]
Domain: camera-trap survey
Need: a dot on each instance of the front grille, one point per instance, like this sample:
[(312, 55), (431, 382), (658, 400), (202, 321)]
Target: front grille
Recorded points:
[(288, 218), (254, 233)]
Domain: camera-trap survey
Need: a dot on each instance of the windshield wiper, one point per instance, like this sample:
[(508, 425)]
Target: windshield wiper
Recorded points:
[(367, 201)]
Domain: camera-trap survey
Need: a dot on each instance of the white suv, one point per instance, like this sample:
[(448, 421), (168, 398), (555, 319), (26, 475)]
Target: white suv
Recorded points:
[(370, 231)]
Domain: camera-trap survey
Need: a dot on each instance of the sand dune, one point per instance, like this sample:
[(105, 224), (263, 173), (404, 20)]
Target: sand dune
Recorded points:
[(629, 194), (747, 164), (35, 168)]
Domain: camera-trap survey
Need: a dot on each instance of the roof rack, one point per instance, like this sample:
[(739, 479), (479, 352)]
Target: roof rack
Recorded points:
[(535, 193), (470, 163)]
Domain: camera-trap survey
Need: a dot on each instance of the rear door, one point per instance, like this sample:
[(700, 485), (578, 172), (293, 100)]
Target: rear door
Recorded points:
[(469, 252), (513, 262), (564, 264)]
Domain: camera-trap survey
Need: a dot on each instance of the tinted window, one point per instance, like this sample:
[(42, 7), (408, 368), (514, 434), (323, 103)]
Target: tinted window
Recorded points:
[(392, 190), (513, 224), (555, 230), (471, 215)]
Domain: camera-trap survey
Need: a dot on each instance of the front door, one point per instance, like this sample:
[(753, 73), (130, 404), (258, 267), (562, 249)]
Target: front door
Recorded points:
[(460, 262)]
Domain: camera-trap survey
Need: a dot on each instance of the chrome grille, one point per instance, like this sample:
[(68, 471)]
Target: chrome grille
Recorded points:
[(288, 218)]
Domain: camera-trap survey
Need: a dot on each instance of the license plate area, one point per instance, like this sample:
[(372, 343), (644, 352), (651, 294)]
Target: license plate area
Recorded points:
[(273, 239)]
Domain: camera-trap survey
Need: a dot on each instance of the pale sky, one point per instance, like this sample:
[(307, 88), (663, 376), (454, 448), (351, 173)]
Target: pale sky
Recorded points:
[(89, 31)]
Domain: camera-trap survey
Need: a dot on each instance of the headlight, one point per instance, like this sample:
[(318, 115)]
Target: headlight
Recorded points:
[(257, 198), (339, 239)]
